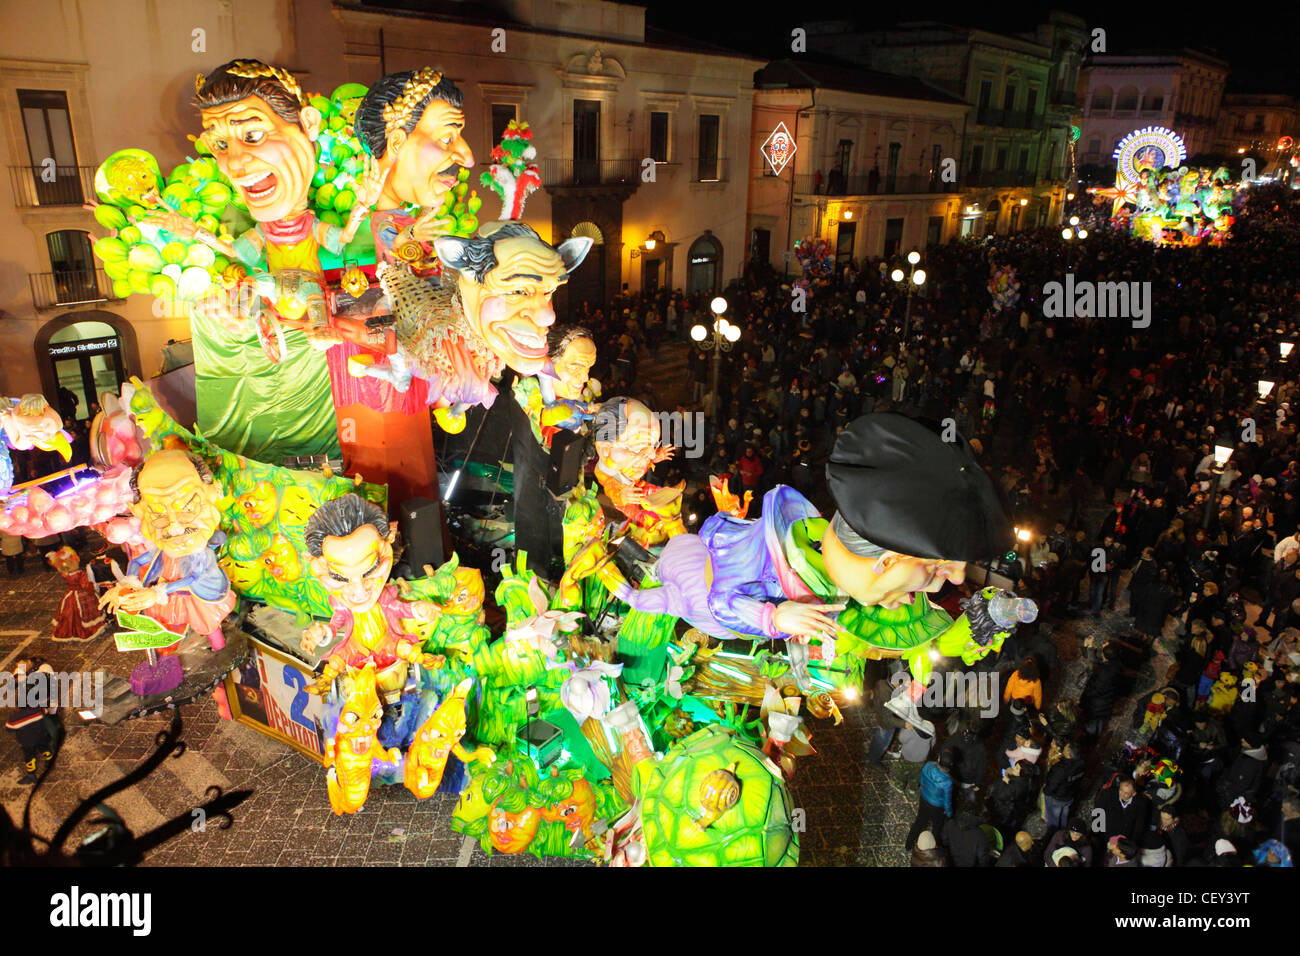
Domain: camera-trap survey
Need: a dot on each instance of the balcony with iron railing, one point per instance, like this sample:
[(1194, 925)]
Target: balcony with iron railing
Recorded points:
[(1010, 119), (52, 290), (999, 177), (837, 185), (35, 186), (591, 172)]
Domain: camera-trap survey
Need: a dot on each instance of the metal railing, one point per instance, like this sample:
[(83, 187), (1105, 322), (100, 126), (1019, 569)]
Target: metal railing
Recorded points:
[(1010, 119), (1000, 177), (912, 184), (709, 169), (52, 289), (51, 185), (590, 172)]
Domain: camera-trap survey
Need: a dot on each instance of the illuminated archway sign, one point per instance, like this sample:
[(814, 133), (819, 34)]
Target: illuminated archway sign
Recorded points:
[(779, 148), (1148, 148)]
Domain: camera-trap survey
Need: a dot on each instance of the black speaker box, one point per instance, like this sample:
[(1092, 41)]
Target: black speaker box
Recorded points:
[(566, 461), (420, 521)]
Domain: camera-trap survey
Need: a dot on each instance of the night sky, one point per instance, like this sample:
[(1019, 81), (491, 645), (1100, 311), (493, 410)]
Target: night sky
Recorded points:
[(1263, 47)]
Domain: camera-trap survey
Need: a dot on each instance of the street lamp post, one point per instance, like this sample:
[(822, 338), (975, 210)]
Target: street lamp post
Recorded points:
[(724, 336), (914, 282), (1072, 231)]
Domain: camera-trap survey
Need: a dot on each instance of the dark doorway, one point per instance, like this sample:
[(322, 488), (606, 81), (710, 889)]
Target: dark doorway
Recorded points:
[(651, 275), (87, 361), (586, 142), (704, 265), (761, 247), (893, 236), (844, 245)]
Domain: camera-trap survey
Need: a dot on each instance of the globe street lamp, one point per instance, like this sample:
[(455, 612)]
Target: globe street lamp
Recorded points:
[(724, 336), (1072, 231), (914, 282)]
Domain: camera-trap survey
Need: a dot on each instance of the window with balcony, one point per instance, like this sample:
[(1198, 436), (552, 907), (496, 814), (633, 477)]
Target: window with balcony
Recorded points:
[(1031, 103), (1009, 98), (891, 170), (986, 94), (976, 160), (72, 277), (1101, 98), (586, 142), (51, 177), (659, 136)]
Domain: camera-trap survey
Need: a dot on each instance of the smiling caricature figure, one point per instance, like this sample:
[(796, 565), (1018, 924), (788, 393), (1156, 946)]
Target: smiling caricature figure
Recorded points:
[(263, 381), (177, 581), (497, 314), (912, 510), (413, 124), (350, 543)]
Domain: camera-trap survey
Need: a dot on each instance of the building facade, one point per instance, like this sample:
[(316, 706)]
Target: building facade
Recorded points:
[(77, 82), (1014, 161), (639, 134), (1266, 125), (642, 137), (867, 173), (1180, 91)]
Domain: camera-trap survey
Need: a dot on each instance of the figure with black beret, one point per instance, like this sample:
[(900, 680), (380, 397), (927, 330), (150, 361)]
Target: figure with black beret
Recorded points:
[(911, 511)]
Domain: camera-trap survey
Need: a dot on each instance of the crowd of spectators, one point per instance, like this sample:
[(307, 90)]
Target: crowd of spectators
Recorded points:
[(1170, 578)]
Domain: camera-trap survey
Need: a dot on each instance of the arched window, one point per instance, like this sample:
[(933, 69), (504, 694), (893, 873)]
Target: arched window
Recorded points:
[(1101, 98), (1153, 100), (1127, 99)]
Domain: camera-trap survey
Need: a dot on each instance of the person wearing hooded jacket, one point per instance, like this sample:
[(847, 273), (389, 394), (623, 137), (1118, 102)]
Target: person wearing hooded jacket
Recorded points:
[(968, 845), (1245, 774)]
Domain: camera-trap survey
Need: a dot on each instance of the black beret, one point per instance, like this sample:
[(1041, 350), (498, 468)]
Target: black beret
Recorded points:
[(898, 484)]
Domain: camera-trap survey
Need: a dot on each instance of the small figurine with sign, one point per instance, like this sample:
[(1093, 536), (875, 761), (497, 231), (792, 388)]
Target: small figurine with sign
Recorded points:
[(80, 617), (177, 579), (350, 543)]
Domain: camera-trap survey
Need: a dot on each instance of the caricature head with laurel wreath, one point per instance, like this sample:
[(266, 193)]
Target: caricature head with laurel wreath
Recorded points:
[(262, 131), (413, 124)]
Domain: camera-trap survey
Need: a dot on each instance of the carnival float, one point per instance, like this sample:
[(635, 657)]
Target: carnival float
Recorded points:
[(1159, 200), (642, 700)]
